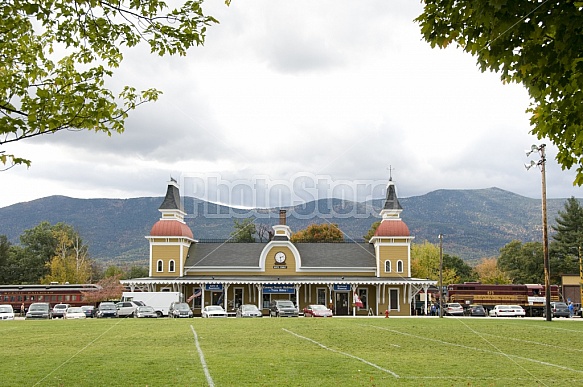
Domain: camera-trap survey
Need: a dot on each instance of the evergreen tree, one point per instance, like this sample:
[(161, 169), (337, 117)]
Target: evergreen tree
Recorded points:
[(567, 240)]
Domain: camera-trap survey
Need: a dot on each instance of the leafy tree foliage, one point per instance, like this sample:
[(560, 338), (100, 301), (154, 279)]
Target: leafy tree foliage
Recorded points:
[(30, 262), (324, 232), (4, 259), (243, 231), (372, 230), (57, 56), (488, 272), (70, 262), (567, 239), (522, 263), (533, 43), (463, 271), (425, 264)]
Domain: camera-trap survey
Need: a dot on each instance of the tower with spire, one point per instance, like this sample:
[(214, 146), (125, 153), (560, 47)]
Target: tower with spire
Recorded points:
[(170, 237), (392, 239)]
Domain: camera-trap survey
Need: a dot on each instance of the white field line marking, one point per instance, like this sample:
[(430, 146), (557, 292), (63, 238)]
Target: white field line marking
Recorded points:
[(566, 349), (343, 353), (202, 361), (556, 328), (78, 352), (476, 349)]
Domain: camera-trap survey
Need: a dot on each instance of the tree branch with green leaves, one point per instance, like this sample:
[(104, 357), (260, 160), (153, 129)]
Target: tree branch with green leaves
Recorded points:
[(56, 56)]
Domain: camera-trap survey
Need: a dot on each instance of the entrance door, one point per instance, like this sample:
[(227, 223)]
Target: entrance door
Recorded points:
[(341, 304)]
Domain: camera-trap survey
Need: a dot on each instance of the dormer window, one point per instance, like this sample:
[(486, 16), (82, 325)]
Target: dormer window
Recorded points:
[(387, 266), (171, 266), (159, 266)]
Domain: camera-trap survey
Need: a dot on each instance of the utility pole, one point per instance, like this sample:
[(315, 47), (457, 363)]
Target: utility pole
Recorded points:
[(541, 150), (440, 275)]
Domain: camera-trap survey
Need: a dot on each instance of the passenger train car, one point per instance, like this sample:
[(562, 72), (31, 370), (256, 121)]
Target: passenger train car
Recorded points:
[(531, 296), (17, 295)]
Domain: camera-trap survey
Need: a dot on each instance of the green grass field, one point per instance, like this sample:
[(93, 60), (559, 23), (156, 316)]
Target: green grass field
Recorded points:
[(293, 352)]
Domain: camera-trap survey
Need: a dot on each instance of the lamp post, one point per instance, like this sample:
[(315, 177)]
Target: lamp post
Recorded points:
[(440, 236), (541, 163)]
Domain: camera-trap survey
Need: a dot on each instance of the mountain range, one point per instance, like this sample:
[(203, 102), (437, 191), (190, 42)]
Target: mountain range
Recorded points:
[(475, 223)]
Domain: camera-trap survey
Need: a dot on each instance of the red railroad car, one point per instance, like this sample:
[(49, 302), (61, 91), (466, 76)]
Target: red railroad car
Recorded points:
[(17, 295), (531, 296)]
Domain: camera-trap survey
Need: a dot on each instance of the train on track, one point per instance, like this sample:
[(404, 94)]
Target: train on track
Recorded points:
[(19, 295), (531, 297)]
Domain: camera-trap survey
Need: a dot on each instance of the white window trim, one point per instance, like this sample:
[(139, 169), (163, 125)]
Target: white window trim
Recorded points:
[(171, 266), (159, 266), (400, 263), (390, 266)]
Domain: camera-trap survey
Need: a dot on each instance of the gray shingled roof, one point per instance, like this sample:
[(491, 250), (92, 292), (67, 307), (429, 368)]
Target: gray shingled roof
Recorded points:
[(224, 254), (312, 254), (337, 254), (172, 199)]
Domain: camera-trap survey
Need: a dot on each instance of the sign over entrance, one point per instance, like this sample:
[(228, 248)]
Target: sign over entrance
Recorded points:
[(278, 289)]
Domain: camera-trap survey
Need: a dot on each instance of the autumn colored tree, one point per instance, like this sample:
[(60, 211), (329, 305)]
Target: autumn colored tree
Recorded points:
[(489, 273), (111, 289), (324, 232), (538, 44), (425, 264), (58, 55), (70, 262)]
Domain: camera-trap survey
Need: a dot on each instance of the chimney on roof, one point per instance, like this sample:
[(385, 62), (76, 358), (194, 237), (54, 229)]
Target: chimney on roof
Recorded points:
[(282, 216)]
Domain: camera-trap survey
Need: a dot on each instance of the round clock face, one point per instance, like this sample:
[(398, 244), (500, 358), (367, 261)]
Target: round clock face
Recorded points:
[(280, 257)]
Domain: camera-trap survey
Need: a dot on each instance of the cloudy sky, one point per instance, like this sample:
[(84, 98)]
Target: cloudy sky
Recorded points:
[(287, 93)]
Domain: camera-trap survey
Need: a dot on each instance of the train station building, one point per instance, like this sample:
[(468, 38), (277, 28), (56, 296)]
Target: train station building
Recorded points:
[(352, 278)]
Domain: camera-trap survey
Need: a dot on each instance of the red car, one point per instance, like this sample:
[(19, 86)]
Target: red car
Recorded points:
[(317, 311)]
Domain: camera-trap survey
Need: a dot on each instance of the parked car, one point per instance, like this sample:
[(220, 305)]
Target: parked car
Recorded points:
[(89, 311), (502, 311), (317, 311), (282, 308), (39, 310), (127, 308), (248, 310), (559, 309), (106, 309), (518, 311), (179, 310), (59, 310), (453, 309), (477, 311), (145, 312), (213, 311), (74, 312), (6, 312)]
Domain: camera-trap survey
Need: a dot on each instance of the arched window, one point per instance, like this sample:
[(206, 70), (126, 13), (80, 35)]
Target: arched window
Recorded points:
[(159, 266), (399, 266), (171, 266), (387, 266)]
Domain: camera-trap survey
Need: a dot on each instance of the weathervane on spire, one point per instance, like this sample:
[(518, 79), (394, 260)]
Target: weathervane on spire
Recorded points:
[(391, 169)]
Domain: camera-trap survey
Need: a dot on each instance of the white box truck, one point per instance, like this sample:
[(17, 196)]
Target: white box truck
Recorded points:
[(160, 301)]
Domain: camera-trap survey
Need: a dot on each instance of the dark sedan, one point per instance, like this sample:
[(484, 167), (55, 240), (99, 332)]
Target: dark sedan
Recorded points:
[(477, 311), (89, 311)]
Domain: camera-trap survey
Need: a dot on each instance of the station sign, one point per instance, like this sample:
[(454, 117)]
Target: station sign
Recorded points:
[(278, 289), (213, 287), (341, 287)]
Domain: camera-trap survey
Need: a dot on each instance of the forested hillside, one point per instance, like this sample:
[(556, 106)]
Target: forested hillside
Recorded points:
[(475, 223)]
